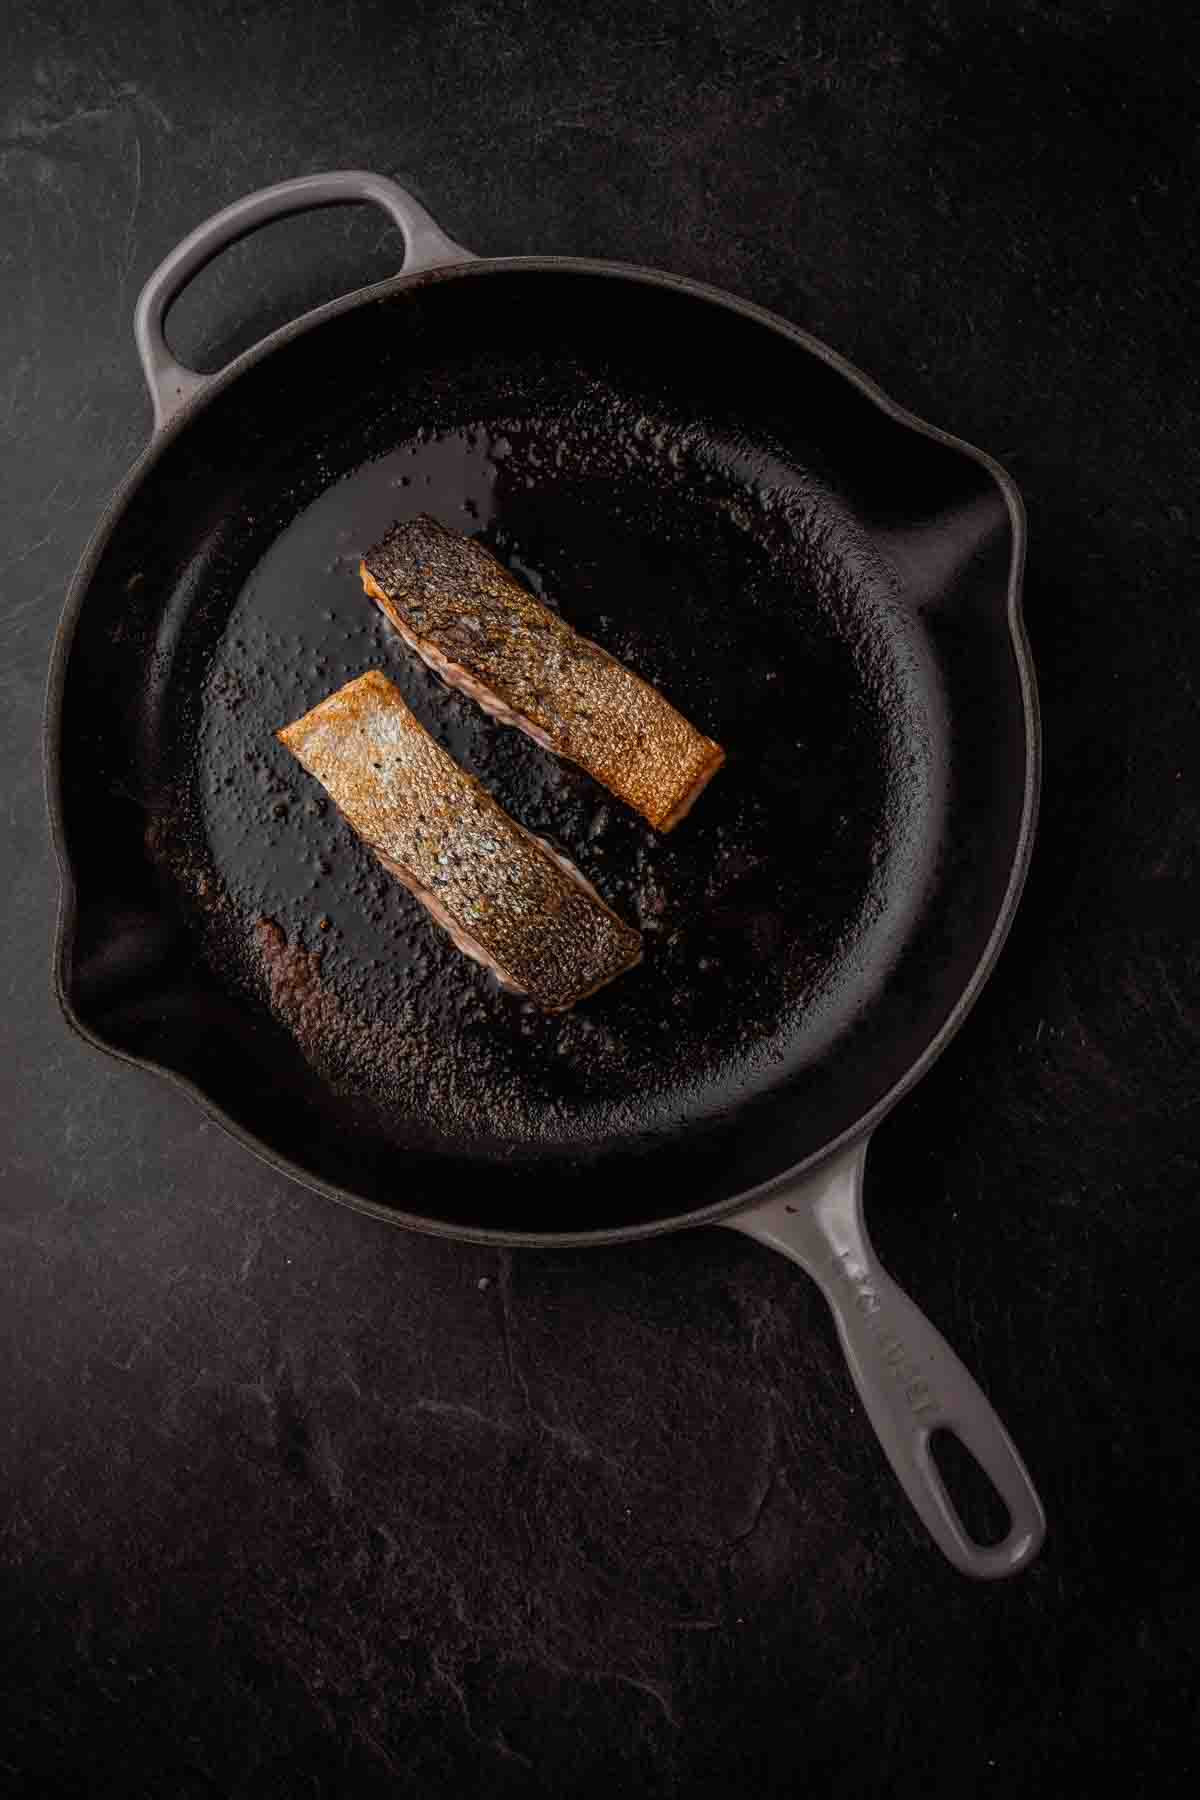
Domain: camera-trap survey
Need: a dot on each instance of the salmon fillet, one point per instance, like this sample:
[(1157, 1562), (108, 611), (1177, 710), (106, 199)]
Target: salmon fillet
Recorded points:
[(504, 896), (473, 622)]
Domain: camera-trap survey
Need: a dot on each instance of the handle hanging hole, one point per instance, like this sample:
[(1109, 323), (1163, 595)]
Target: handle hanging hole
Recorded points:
[(978, 1505)]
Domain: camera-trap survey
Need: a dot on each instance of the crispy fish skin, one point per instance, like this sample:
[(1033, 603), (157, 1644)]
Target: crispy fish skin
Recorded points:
[(503, 896), (482, 631)]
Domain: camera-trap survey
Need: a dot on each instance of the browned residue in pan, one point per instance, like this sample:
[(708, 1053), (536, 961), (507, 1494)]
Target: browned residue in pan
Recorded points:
[(294, 985)]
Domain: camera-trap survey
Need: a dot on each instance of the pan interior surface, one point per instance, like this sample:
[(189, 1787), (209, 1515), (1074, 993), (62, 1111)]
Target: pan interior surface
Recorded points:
[(813, 584)]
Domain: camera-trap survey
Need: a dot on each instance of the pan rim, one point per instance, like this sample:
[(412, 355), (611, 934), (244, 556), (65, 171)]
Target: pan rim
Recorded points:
[(80, 584)]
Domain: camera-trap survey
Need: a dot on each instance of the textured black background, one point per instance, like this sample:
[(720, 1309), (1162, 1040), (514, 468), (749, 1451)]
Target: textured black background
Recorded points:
[(296, 1505)]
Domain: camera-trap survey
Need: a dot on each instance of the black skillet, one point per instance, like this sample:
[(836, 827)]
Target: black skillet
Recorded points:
[(822, 582)]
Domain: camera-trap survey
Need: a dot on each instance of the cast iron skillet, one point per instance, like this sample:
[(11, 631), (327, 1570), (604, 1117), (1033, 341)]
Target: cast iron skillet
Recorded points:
[(820, 581)]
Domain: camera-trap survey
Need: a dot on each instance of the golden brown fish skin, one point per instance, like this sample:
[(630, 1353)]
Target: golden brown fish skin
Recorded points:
[(442, 833), (445, 593)]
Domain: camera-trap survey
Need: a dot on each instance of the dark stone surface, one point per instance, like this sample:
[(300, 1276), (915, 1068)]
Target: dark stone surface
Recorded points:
[(295, 1505)]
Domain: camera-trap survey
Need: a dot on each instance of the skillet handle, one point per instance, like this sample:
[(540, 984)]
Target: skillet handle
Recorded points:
[(908, 1378), (171, 383)]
